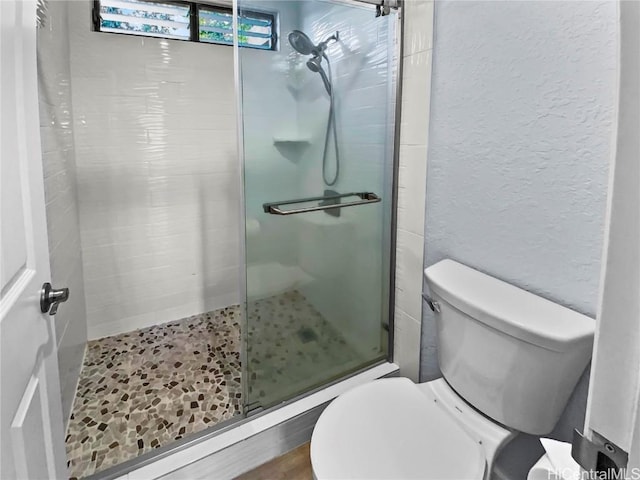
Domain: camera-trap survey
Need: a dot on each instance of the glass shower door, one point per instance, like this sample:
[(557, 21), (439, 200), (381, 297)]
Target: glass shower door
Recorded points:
[(317, 119)]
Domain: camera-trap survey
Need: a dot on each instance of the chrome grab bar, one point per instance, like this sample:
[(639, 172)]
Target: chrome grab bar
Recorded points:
[(273, 208)]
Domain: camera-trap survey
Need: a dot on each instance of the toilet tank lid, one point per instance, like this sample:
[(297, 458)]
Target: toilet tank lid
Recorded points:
[(507, 308)]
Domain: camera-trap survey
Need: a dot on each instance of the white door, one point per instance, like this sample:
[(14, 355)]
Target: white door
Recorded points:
[(613, 409), (31, 441)]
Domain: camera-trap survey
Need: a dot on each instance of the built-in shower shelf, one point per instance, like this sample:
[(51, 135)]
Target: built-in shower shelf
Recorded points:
[(292, 140)]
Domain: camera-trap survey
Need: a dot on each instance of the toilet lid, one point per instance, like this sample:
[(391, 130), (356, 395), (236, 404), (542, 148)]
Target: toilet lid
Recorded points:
[(388, 429)]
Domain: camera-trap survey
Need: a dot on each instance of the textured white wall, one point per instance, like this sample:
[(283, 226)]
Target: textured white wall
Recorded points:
[(520, 139), (56, 123), (155, 133)]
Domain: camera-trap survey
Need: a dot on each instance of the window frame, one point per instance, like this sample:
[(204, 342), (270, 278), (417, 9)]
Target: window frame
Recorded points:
[(194, 22)]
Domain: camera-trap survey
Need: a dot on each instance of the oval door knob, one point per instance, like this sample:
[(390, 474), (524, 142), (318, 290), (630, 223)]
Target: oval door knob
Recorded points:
[(51, 298)]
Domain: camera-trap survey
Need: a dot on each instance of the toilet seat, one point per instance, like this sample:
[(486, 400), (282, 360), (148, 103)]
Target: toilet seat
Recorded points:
[(388, 429)]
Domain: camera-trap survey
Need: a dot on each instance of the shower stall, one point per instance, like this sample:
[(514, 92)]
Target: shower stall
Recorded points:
[(228, 202)]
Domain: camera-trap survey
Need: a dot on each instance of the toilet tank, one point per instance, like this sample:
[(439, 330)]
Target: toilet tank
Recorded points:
[(511, 354)]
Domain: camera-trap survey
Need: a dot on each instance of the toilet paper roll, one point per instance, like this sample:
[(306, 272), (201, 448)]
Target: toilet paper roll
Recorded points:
[(556, 464), (543, 470), (559, 454)]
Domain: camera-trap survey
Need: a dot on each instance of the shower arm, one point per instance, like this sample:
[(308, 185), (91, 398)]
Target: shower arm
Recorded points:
[(322, 46)]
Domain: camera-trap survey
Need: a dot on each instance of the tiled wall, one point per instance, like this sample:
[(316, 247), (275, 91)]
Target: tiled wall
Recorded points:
[(418, 34), (65, 255), (337, 260), (343, 255), (156, 165), (155, 133), (269, 109)]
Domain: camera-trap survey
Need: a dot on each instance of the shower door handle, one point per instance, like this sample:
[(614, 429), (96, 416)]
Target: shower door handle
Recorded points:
[(273, 208)]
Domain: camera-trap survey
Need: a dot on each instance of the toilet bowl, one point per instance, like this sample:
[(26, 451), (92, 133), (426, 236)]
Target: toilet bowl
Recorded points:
[(421, 431), (509, 359)]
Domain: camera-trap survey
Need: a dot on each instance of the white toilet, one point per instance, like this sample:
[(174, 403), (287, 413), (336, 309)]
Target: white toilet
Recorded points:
[(510, 360)]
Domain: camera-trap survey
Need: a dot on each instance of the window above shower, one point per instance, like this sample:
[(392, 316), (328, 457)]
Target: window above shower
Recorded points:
[(186, 21)]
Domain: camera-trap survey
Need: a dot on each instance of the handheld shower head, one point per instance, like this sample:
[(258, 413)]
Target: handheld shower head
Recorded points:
[(315, 65)]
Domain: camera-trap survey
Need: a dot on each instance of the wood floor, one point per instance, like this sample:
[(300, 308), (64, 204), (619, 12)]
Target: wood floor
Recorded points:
[(295, 465)]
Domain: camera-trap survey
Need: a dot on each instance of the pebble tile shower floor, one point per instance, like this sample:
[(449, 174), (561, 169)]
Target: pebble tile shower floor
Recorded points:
[(145, 389)]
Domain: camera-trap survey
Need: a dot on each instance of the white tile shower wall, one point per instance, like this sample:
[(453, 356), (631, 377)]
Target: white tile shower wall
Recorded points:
[(342, 254), (271, 170), (520, 139), (56, 122), (155, 134), (412, 180)]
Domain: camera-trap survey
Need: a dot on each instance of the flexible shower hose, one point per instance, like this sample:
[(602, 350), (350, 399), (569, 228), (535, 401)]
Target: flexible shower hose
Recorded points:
[(331, 126)]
